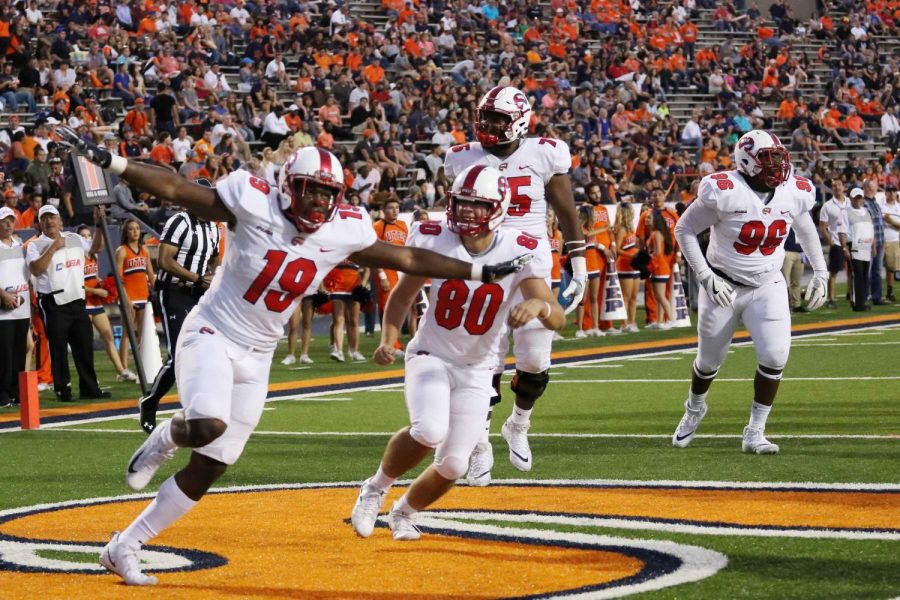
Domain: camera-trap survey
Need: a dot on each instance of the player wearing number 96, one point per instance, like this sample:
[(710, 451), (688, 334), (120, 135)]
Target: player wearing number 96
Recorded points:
[(749, 212), (282, 242), (450, 361)]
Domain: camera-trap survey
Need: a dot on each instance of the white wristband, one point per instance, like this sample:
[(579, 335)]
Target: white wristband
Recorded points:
[(579, 266), (118, 164), (549, 311), (382, 276), (477, 268)]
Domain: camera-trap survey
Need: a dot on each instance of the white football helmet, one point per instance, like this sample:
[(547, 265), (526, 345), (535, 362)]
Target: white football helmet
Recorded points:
[(477, 183), (760, 155), (513, 105), (310, 166)]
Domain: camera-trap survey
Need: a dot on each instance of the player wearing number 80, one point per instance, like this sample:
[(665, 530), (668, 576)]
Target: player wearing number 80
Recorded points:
[(282, 242), (749, 212), (537, 172), (450, 361)]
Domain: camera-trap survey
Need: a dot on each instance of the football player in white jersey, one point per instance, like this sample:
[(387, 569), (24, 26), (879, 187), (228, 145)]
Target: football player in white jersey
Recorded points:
[(749, 212), (537, 170), (282, 242), (450, 361)]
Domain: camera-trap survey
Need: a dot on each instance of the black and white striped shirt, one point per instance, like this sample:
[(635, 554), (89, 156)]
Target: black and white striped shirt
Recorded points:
[(197, 242)]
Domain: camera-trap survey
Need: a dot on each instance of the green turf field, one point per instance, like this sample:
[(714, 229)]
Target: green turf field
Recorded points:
[(837, 419)]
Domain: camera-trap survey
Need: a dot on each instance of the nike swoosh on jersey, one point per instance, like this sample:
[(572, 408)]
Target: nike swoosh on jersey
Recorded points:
[(134, 460), (326, 250)]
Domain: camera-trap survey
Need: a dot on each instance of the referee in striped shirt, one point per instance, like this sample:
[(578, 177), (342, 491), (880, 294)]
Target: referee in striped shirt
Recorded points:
[(188, 254)]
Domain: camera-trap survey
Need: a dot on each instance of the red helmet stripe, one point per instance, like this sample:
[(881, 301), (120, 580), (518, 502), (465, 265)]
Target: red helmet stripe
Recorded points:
[(472, 177), (774, 138), (325, 160), (494, 92)]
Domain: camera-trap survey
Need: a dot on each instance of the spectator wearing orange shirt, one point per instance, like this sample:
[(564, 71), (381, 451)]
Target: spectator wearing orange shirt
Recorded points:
[(162, 153), (689, 37), (204, 148), (374, 73), (855, 126), (136, 118)]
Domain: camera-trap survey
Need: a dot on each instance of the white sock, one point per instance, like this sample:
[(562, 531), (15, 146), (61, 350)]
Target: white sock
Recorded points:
[(165, 434), (403, 507), (382, 481), (485, 437), (520, 416), (169, 505), (758, 415), (696, 401)]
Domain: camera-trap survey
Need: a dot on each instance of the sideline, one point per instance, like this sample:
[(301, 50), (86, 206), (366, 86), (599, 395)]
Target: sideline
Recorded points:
[(124, 408)]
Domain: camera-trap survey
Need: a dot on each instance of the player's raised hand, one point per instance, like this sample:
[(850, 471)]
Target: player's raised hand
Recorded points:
[(491, 273), (718, 289), (384, 354), (817, 290), (92, 151)]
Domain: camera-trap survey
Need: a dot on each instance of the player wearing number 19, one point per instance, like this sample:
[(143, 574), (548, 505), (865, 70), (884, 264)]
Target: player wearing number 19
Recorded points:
[(749, 212), (450, 361), (282, 242)]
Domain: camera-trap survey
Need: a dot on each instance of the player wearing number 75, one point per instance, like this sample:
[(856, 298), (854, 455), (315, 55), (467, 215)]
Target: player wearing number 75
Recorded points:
[(283, 241), (749, 212), (450, 361)]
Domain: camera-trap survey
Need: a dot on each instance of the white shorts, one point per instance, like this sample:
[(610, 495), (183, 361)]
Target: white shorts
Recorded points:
[(766, 314), (532, 344), (218, 379), (448, 407)]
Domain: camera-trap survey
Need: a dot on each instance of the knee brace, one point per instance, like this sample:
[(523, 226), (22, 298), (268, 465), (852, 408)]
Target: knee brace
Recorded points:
[(705, 374), (769, 372), (452, 467), (495, 399), (530, 386), (428, 433)]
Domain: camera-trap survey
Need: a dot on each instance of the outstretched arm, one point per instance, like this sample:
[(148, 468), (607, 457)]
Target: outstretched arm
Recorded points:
[(162, 183), (418, 261)]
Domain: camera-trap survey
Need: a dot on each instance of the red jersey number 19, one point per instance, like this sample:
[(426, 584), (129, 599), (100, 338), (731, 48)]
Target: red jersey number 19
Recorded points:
[(297, 276)]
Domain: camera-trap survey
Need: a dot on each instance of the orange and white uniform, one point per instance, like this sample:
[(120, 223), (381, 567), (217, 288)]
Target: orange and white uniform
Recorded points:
[(625, 253), (596, 261), (556, 243), (643, 233), (134, 276), (660, 262), (341, 280), (392, 233), (94, 304)]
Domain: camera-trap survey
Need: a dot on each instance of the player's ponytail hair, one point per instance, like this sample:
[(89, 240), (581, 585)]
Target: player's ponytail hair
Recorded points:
[(659, 224)]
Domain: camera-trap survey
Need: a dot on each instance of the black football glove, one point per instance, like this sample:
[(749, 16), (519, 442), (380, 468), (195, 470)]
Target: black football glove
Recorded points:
[(94, 153), (492, 273)]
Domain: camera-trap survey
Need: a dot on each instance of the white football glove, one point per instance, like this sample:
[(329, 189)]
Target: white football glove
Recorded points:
[(575, 289), (718, 289), (817, 290)]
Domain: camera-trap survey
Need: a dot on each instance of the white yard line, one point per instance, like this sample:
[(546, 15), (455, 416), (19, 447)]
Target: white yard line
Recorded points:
[(804, 436)]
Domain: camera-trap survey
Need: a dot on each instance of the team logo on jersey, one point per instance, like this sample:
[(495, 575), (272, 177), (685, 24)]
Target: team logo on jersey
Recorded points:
[(766, 210), (502, 166)]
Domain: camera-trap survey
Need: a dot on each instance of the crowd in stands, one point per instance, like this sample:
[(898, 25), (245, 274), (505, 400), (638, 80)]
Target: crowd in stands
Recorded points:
[(207, 87)]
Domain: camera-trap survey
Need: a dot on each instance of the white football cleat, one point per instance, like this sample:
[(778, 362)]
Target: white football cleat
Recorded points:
[(402, 526), (145, 462), (686, 429), (557, 337), (337, 355), (754, 442), (365, 511), (357, 356), (124, 562), (288, 360), (480, 464), (305, 359), (517, 437)]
